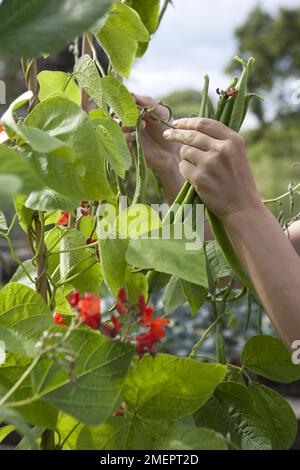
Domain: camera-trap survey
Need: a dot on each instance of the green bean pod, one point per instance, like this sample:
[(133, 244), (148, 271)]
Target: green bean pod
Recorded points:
[(239, 104), (223, 100), (141, 167), (227, 111), (203, 112)]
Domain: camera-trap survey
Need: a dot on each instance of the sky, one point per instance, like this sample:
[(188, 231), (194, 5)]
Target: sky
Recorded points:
[(195, 37)]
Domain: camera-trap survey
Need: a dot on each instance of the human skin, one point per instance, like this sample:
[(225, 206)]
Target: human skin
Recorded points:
[(214, 159)]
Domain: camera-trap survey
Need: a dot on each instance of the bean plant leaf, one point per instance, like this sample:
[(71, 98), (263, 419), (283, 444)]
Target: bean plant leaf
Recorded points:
[(167, 250), (231, 412), (279, 418), (174, 295), (86, 176), (119, 36), (16, 175), (38, 139), (113, 145), (5, 431), (116, 95), (35, 27), (117, 433), (148, 11), (83, 263), (100, 369), (191, 438), (196, 295), (87, 75), (169, 387), (268, 356), (15, 419), (57, 83), (23, 317), (217, 262), (50, 200)]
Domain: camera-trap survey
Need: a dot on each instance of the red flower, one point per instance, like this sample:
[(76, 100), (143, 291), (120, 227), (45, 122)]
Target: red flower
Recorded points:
[(84, 212), (1, 128), (90, 310), (122, 300), (74, 298), (122, 296), (232, 91), (112, 331), (147, 315), (64, 218), (84, 208), (157, 327), (145, 342), (142, 304), (58, 319)]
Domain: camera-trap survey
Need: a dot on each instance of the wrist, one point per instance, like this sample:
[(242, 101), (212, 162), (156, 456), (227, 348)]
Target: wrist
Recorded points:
[(244, 218)]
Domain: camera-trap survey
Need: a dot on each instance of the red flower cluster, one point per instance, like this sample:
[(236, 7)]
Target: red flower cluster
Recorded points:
[(146, 341), (64, 218), (1, 128), (88, 307), (89, 310), (84, 208), (58, 319)]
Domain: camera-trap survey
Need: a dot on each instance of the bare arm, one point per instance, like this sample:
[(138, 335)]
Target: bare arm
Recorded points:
[(214, 160)]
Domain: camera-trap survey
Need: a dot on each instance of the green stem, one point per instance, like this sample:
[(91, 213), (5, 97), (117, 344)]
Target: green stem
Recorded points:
[(204, 336)]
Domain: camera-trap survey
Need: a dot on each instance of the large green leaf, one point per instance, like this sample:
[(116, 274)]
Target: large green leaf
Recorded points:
[(83, 263), (169, 387), (174, 295), (113, 145), (117, 433), (87, 75), (86, 176), (116, 95), (268, 356), (137, 220), (191, 438), (23, 317), (55, 83), (100, 369), (119, 36), (232, 413), (38, 139), (106, 91), (50, 200), (279, 419), (37, 413), (148, 11), (217, 262), (113, 263), (163, 251), (196, 295), (16, 175), (16, 420), (33, 27)]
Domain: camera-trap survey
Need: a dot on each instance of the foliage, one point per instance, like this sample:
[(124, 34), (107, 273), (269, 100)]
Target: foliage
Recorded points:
[(81, 374)]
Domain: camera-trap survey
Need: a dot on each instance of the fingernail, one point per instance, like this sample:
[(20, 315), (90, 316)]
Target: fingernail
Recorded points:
[(167, 133), (175, 123)]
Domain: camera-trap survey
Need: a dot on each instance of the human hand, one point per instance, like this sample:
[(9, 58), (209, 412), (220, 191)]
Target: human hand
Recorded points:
[(161, 155), (214, 160)]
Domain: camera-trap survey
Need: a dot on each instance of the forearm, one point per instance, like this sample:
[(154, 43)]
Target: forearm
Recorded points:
[(272, 264)]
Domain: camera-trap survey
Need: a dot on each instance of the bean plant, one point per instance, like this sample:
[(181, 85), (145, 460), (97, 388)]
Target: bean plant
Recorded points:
[(82, 369)]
